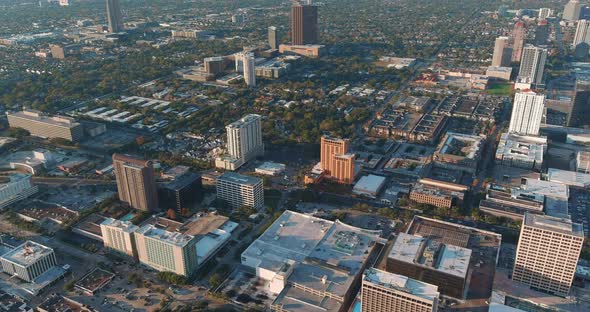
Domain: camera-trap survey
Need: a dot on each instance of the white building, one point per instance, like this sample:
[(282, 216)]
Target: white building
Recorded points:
[(244, 142), (240, 190), (119, 236), (572, 10), (527, 112), (28, 261), (532, 65), (521, 151), (582, 33), (18, 187)]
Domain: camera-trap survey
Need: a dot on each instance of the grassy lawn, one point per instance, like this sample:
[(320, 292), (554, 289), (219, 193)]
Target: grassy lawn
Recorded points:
[(500, 89)]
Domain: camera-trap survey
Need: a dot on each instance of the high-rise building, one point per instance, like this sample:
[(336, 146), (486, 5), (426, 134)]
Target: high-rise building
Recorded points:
[(273, 38), (136, 182), (214, 65), (114, 16), (28, 261), (119, 236), (581, 104), (336, 162), (518, 37), (42, 125), (582, 33), (244, 142), (240, 190), (547, 253), (532, 65), (249, 69), (544, 13), (542, 33), (166, 251), (304, 24), (571, 11), (384, 291), (502, 52), (527, 112)]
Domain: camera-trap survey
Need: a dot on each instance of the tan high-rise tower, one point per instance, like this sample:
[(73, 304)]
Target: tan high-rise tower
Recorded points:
[(304, 24), (135, 182), (547, 253), (518, 37), (502, 52), (335, 159)]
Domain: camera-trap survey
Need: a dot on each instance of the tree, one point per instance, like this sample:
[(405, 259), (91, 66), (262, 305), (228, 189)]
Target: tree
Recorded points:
[(215, 280), (18, 133)]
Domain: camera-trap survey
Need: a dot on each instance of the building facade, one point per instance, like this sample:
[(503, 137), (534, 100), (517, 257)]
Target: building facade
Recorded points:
[(18, 187), (166, 251), (527, 112), (532, 65), (304, 24), (249, 69), (502, 52), (28, 261), (273, 37), (136, 183), (518, 37), (542, 33), (336, 162), (547, 254), (572, 10), (119, 236), (41, 125), (240, 190), (114, 16), (244, 142), (384, 291)]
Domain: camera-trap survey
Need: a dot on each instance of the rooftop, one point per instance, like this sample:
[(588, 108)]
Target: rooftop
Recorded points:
[(244, 121), (522, 147), (555, 224), (27, 253), (545, 188), (126, 226), (60, 121), (239, 178), (401, 283), (173, 238), (459, 144), (369, 184), (568, 177)]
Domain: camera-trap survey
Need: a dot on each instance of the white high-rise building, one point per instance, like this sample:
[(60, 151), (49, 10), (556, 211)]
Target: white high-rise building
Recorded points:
[(240, 190), (582, 33), (527, 112), (249, 69), (532, 65), (244, 142), (502, 52), (119, 236), (572, 10), (544, 13), (547, 253)]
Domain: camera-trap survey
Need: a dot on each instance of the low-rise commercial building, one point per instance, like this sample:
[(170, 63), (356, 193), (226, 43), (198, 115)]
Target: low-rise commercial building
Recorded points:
[(459, 151), (521, 151), (307, 50), (28, 261), (436, 196), (15, 188), (498, 72), (270, 168), (45, 126), (369, 186)]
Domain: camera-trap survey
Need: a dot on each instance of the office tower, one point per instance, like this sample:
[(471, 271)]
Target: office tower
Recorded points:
[(547, 253), (581, 104), (214, 65), (114, 16), (542, 33), (273, 39), (518, 37), (45, 126), (16, 187), (249, 69), (304, 24), (336, 162), (28, 261), (384, 291), (532, 65), (582, 33), (527, 112), (544, 13), (502, 52), (119, 236), (136, 182), (240, 190), (244, 138), (166, 251), (571, 11)]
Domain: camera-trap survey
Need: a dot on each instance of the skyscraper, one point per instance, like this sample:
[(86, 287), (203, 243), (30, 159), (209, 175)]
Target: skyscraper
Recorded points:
[(571, 11), (114, 16), (547, 253), (527, 112), (582, 33), (249, 69), (532, 65), (384, 291), (244, 142), (135, 182), (581, 104), (542, 33), (518, 36), (273, 40), (502, 52), (336, 162), (304, 24)]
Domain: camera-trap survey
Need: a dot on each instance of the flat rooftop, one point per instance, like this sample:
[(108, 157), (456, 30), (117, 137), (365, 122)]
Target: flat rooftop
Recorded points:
[(27, 253), (568, 177), (244, 121), (521, 147), (239, 178), (173, 238), (125, 226), (203, 224), (401, 283), (60, 121), (555, 224), (459, 144), (546, 188), (369, 184)]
